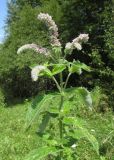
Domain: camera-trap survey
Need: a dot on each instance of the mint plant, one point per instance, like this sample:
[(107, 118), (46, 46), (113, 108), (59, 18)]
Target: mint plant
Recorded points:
[(57, 108)]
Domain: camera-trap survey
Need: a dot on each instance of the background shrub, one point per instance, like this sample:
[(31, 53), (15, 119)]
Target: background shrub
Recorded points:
[(2, 98)]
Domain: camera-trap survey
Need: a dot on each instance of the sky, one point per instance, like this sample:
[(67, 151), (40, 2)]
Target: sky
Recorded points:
[(3, 13)]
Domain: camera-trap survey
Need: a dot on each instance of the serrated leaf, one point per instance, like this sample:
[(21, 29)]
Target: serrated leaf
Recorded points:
[(85, 95), (44, 123), (39, 154), (58, 68), (82, 66), (81, 96), (46, 72), (37, 106), (77, 67), (81, 131)]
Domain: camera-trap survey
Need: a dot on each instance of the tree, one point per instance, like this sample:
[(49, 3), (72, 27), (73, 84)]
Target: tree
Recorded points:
[(95, 18), (23, 26)]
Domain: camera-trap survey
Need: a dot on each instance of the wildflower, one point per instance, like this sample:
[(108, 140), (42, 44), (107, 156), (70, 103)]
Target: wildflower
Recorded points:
[(77, 42), (77, 45), (68, 46), (35, 47), (83, 38), (53, 29), (35, 72)]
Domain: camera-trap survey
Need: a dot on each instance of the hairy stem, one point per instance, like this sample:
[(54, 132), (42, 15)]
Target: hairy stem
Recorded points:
[(61, 81), (67, 80), (57, 84), (60, 118), (61, 124)]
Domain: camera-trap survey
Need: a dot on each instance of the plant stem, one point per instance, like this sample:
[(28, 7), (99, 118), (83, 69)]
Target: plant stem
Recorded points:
[(61, 89), (60, 118), (67, 80), (61, 124), (57, 84), (61, 81)]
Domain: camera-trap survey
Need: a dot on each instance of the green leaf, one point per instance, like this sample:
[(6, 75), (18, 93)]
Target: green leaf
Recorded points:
[(63, 61), (46, 72), (67, 106), (58, 68), (80, 95), (40, 153), (39, 104), (81, 131), (86, 95), (83, 66), (44, 123), (102, 158), (77, 67), (70, 121), (78, 134)]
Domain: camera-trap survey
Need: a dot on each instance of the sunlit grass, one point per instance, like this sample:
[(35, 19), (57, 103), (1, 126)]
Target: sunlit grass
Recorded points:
[(15, 143)]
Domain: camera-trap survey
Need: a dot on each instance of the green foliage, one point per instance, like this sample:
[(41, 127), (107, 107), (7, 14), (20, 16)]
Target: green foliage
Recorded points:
[(16, 144), (2, 98), (96, 96), (80, 132), (60, 113), (41, 153), (74, 97), (58, 68), (39, 105), (100, 100), (80, 95), (72, 18), (95, 18), (22, 27), (77, 67)]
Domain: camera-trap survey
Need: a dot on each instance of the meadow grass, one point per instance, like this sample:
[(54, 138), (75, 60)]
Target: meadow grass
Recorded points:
[(15, 143)]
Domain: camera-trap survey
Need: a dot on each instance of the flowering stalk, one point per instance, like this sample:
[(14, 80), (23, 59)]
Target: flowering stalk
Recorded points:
[(36, 71), (76, 43), (34, 47), (53, 29), (67, 79), (60, 64)]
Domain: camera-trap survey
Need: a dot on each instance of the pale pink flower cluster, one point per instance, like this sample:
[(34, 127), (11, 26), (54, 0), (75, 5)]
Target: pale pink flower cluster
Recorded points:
[(53, 29), (34, 47), (77, 42), (36, 71)]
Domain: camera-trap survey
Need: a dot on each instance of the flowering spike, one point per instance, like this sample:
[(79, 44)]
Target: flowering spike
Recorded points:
[(35, 72), (77, 42), (82, 38), (53, 29), (35, 47)]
